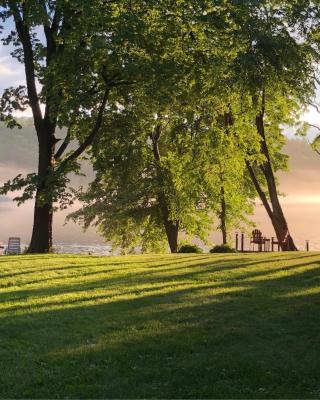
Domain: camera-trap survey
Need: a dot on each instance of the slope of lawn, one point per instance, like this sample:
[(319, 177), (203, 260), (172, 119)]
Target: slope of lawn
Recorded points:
[(160, 326)]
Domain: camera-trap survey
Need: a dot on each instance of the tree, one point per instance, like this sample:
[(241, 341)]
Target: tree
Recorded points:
[(161, 173), (265, 170), (150, 182), (273, 67), (170, 125), (74, 84), (75, 55), (236, 196)]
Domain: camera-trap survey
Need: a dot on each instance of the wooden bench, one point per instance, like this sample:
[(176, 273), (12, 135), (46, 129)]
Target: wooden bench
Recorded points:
[(279, 244)]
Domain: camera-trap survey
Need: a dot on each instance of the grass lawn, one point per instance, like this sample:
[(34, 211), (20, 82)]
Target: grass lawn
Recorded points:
[(160, 326)]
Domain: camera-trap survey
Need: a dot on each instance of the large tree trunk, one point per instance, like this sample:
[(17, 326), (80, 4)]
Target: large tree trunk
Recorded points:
[(278, 219), (274, 209), (282, 231), (41, 240), (276, 215), (172, 232), (171, 227)]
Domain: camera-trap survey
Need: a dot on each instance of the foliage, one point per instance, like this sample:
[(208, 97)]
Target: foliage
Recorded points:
[(159, 159), (190, 248), (88, 51), (224, 248)]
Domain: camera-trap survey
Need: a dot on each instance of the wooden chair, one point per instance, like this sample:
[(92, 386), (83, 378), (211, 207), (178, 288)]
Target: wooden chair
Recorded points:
[(258, 239), (14, 246), (2, 248), (279, 244)]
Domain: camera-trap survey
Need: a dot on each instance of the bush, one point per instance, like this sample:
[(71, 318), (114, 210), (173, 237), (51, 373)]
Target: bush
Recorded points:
[(190, 248), (223, 248)]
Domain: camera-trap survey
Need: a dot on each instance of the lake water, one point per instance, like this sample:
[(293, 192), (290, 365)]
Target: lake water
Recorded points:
[(303, 219)]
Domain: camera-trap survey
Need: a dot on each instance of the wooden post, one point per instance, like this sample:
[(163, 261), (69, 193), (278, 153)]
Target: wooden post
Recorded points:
[(307, 245), (268, 245), (242, 242), (272, 244), (237, 241)]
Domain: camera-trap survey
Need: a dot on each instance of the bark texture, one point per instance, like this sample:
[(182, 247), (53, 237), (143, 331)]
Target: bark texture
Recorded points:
[(172, 230), (41, 239)]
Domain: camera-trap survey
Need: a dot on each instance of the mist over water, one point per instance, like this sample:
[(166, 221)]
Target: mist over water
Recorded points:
[(303, 220), (301, 206)]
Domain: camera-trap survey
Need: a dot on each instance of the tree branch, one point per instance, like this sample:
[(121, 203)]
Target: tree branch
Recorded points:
[(155, 136), (25, 39), (50, 30), (263, 102), (55, 22), (314, 106), (94, 132), (313, 126), (259, 190), (63, 146)]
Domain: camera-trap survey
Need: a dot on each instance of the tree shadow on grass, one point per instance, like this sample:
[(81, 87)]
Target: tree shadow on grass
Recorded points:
[(201, 261), (110, 289), (207, 271), (52, 267), (254, 341)]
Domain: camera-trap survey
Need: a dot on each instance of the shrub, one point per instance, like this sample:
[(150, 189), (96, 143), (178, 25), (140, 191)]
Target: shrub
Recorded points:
[(190, 248), (223, 248)]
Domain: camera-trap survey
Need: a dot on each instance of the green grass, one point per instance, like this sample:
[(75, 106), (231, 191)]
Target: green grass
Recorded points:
[(182, 326)]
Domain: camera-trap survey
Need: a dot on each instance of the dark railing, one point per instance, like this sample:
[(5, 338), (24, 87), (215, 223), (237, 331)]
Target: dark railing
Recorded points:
[(267, 245)]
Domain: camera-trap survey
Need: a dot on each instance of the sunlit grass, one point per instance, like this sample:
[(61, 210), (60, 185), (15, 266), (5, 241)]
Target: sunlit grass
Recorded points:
[(160, 326)]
